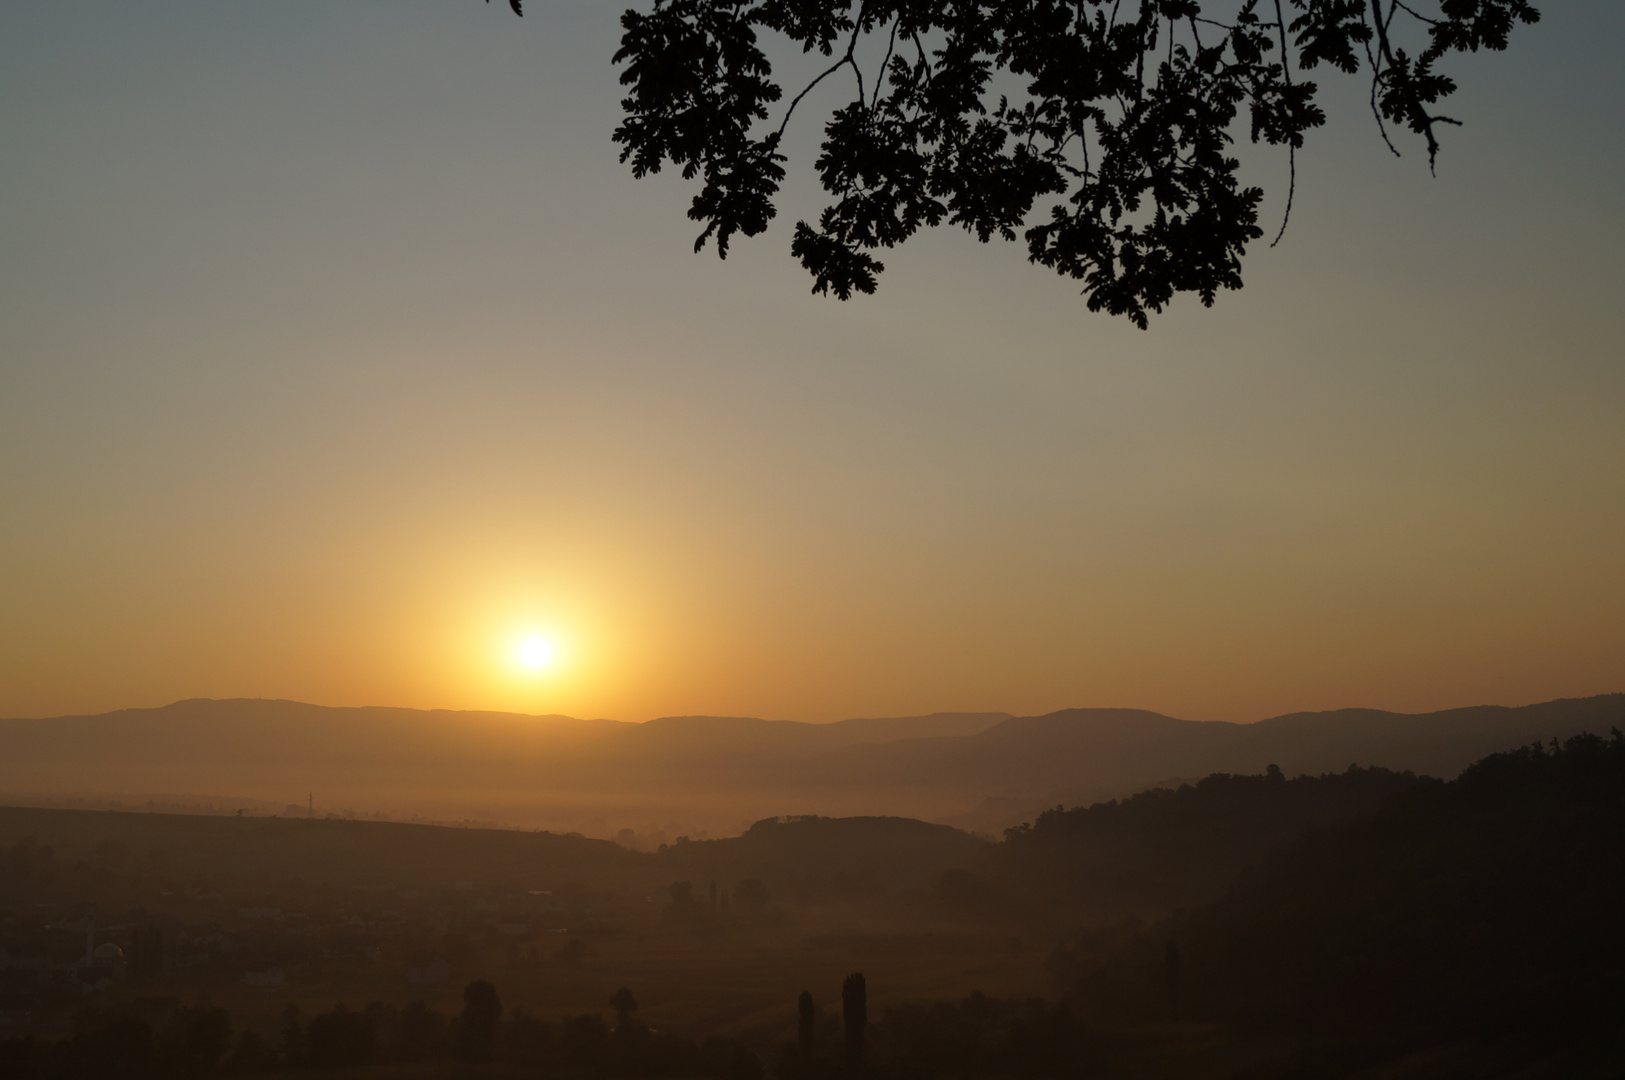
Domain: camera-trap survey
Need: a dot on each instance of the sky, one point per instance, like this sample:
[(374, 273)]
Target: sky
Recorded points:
[(339, 357)]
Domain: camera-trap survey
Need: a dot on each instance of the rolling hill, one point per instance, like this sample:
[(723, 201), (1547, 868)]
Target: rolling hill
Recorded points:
[(717, 774)]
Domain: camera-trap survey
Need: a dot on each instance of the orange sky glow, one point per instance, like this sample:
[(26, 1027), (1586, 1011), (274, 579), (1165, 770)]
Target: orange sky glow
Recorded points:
[(339, 358)]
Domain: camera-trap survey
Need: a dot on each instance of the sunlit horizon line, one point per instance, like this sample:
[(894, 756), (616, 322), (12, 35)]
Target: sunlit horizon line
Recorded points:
[(816, 723)]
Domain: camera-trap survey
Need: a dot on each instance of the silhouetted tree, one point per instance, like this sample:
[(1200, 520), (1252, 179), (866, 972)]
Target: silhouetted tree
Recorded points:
[(111, 854), (147, 953), (1170, 974), (27, 859), (529, 1040), (1169, 848), (340, 1039), (571, 952), (1485, 909), (751, 895), (113, 1044), (806, 1017), (107, 1044), (291, 1036), (854, 1015), (199, 1036), (1125, 113), (19, 1057), (422, 1033), (624, 1005), (690, 910), (252, 1054), (585, 1042), (477, 1027)]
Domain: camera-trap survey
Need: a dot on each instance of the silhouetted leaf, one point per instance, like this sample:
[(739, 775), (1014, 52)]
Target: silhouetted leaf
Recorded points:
[(1126, 109)]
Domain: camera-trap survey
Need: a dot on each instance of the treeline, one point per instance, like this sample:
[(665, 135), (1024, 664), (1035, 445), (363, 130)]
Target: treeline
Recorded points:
[(979, 1036), (331, 851), (1487, 909), (198, 1042), (976, 1036), (1170, 848), (812, 859)]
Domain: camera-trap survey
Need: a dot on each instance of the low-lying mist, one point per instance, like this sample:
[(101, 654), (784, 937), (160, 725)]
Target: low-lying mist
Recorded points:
[(648, 784)]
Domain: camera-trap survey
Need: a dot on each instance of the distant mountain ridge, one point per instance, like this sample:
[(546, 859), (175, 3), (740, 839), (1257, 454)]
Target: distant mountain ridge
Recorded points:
[(731, 770), (276, 734), (1098, 747)]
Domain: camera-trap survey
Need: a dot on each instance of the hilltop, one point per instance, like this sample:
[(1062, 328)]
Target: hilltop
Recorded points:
[(701, 776)]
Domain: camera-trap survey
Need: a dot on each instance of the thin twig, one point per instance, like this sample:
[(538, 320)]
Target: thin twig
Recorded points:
[(1291, 190), (851, 44), (1376, 81), (880, 78), (833, 68), (851, 49), (1291, 147), (1419, 16)]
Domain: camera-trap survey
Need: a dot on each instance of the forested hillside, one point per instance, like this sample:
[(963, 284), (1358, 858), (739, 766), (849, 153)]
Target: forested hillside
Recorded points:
[(1485, 911), (1163, 849)]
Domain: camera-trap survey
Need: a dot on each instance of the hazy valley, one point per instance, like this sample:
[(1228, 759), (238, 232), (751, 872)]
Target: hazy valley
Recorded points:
[(1128, 937), (711, 776)]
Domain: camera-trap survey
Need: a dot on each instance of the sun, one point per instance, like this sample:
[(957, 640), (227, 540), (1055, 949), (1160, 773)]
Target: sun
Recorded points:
[(536, 653)]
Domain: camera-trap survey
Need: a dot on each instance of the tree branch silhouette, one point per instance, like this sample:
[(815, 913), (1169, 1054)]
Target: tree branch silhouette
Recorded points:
[(1125, 111)]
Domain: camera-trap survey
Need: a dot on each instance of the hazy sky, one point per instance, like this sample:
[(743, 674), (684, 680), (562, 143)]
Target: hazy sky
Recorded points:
[(338, 354)]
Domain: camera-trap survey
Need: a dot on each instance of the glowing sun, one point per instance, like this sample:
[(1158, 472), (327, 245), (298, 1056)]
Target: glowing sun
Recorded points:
[(536, 653)]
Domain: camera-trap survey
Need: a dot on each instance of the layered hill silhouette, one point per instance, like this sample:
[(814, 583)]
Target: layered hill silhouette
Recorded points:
[(1472, 924), (1347, 920), (1169, 848), (814, 852), (275, 850), (720, 773)]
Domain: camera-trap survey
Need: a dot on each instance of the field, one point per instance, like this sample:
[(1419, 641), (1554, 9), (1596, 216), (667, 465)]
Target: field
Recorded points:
[(558, 924)]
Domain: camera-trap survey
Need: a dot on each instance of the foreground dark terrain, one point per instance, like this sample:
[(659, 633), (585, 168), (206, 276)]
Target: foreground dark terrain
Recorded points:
[(1358, 923)]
